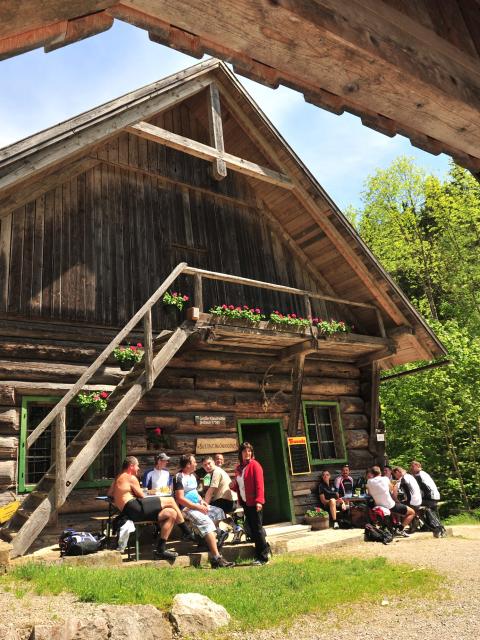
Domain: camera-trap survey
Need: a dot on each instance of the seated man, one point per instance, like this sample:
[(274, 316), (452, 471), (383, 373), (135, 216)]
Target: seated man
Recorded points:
[(329, 497), (197, 510), (379, 487), (344, 483), (130, 500), (430, 493), (158, 480), (407, 484), (218, 493)]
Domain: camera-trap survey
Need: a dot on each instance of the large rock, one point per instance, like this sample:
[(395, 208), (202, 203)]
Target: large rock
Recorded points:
[(104, 558), (193, 613), (139, 622)]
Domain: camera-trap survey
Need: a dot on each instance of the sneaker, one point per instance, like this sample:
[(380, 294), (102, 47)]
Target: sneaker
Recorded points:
[(165, 555), (259, 563), (221, 563), (336, 525), (221, 538), (402, 534), (237, 537)]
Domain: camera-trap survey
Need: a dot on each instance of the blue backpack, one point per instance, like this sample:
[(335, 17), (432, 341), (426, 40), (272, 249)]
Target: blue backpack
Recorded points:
[(79, 543)]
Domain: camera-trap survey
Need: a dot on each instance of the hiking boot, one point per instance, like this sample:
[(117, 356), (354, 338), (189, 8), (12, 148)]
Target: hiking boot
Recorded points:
[(336, 525), (188, 537), (165, 555), (221, 538), (237, 536), (402, 534), (221, 563)]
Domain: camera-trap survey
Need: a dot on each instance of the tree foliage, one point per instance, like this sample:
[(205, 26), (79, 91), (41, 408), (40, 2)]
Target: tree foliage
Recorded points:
[(426, 232)]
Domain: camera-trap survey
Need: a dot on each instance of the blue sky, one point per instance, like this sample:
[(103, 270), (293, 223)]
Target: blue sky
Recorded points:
[(38, 90)]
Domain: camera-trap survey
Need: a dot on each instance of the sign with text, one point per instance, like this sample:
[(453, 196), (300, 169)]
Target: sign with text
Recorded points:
[(298, 455), (216, 445), (211, 421)]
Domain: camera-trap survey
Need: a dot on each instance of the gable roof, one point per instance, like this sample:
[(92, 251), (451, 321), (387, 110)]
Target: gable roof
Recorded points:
[(307, 218)]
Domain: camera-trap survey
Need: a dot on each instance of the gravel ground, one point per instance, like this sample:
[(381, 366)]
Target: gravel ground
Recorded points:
[(451, 615), (454, 614)]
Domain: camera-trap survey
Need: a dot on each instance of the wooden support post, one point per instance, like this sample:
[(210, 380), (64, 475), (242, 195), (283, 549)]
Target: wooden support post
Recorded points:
[(308, 308), (381, 326), (148, 343), (296, 398), (197, 292), (219, 168), (60, 458)]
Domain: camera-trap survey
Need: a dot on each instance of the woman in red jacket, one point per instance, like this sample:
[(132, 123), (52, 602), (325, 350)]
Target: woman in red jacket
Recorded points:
[(249, 485)]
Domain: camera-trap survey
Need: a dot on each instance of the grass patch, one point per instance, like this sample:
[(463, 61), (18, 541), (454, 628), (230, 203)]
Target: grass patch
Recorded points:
[(467, 517), (255, 597)]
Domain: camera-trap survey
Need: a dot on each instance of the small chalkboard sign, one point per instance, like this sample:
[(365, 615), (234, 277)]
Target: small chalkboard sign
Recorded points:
[(298, 454)]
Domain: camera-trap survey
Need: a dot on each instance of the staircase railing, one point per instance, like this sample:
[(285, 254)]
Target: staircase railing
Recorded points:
[(145, 313)]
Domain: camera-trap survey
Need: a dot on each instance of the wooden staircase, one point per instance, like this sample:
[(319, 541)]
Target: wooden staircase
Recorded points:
[(41, 503)]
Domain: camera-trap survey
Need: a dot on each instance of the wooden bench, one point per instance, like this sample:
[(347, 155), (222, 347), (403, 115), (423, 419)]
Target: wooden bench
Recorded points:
[(106, 523)]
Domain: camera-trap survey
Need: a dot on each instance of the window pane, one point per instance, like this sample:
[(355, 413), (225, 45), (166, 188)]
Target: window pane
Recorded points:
[(40, 453), (312, 433), (314, 450), (324, 435), (328, 451)]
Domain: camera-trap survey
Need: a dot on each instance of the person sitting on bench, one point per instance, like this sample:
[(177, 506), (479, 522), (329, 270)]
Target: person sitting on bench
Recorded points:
[(158, 480), (430, 493), (329, 497), (344, 483), (130, 500), (198, 511), (379, 488), (407, 485)]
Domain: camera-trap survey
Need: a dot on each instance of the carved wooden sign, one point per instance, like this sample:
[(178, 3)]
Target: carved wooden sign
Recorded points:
[(207, 421), (216, 445)]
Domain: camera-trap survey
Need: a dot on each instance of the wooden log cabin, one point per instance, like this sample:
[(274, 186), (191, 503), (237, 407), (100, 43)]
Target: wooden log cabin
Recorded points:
[(182, 185)]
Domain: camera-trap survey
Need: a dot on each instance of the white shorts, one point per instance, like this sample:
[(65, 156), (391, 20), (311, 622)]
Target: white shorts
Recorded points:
[(204, 522)]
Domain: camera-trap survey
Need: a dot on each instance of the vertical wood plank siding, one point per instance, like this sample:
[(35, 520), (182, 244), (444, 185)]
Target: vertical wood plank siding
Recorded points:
[(95, 248)]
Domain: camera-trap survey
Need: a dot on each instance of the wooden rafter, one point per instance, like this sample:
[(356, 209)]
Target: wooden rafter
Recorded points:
[(219, 168), (200, 150)]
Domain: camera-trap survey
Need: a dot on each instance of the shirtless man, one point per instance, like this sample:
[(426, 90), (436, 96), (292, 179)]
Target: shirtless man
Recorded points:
[(130, 500)]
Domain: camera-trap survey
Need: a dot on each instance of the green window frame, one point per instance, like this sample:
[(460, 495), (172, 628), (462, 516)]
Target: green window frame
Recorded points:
[(42, 450), (324, 431)]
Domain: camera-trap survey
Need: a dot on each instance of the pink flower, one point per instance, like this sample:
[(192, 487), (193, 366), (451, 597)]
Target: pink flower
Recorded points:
[(139, 345), (245, 306), (293, 315), (231, 307), (257, 310), (133, 348), (185, 298), (104, 395), (96, 397), (238, 308), (174, 294), (157, 431)]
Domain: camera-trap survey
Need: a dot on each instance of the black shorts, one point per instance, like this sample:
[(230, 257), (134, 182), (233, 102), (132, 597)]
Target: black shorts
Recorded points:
[(138, 509), (399, 508), (225, 505)]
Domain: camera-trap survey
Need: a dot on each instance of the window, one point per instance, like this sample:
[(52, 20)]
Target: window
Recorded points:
[(31, 468), (324, 431)]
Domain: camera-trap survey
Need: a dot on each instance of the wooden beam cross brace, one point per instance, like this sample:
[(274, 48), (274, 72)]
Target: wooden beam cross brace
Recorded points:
[(296, 398), (219, 168), (199, 150), (305, 347)]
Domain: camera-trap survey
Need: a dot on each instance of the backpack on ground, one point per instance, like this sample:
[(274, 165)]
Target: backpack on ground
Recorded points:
[(79, 543), (432, 523), (373, 534)]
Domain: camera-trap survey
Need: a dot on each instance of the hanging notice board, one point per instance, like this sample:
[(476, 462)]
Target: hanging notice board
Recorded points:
[(298, 455)]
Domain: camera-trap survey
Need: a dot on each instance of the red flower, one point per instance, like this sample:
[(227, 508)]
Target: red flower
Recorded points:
[(104, 395), (231, 307), (293, 315), (257, 310), (157, 431), (139, 345), (185, 298), (224, 306), (133, 348), (245, 306)]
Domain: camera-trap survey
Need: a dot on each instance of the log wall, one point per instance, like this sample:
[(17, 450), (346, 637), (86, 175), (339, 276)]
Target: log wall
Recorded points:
[(201, 382)]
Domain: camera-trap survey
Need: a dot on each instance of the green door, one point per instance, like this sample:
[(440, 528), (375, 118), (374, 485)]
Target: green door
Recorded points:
[(267, 439)]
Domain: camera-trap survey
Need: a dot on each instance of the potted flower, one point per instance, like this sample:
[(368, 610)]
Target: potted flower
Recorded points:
[(240, 315), (156, 439), (92, 401), (174, 303), (330, 327), (288, 322), (128, 356), (317, 518)]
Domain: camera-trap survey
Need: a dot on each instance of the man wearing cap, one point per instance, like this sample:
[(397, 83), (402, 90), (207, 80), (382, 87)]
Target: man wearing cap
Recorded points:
[(158, 480)]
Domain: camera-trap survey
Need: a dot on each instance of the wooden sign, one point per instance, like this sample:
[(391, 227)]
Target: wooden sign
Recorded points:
[(8, 511), (298, 455), (210, 421), (216, 445)]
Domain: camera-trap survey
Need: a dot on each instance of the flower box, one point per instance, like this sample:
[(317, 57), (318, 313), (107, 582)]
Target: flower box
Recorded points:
[(318, 523)]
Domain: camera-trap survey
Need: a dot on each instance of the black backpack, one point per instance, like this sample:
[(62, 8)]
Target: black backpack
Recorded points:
[(373, 534), (432, 523), (79, 543)]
